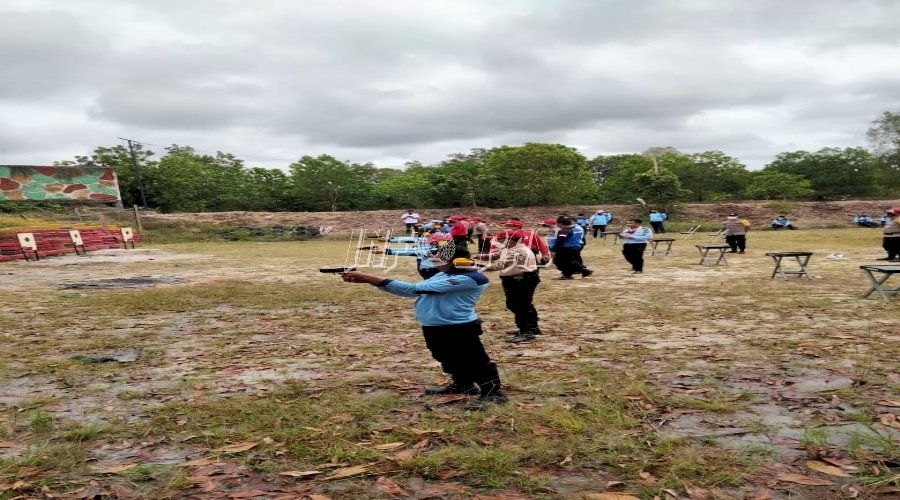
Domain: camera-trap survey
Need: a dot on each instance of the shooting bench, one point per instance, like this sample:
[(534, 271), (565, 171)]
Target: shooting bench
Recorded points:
[(704, 253), (885, 272), (668, 247), (802, 261)]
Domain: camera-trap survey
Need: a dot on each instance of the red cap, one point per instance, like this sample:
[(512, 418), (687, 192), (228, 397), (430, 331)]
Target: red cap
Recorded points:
[(456, 218), (435, 238), (516, 235), (548, 222), (514, 223), (894, 211), (475, 219)]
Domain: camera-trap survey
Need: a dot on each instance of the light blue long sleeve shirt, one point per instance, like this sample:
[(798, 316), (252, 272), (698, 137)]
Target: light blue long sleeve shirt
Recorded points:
[(443, 299), (640, 235)]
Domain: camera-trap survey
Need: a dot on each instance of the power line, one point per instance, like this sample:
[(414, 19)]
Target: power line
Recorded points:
[(247, 157)]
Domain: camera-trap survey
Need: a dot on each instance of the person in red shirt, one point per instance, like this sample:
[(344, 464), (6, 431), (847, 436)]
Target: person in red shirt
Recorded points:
[(460, 234)]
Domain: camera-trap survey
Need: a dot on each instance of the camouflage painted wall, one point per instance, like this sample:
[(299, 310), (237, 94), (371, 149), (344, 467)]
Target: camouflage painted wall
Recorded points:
[(30, 183)]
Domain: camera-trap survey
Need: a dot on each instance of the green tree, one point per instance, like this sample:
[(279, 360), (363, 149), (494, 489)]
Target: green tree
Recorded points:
[(659, 189), (266, 190), (537, 174), (410, 189), (604, 166), (709, 175), (884, 136), (834, 173), (620, 185), (778, 186), (324, 182), (884, 132)]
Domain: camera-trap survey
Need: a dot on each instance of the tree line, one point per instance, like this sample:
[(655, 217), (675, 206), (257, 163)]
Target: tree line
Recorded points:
[(182, 180)]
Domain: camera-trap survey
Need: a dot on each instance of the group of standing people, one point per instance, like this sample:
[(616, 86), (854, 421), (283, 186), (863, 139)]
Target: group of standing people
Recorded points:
[(446, 298)]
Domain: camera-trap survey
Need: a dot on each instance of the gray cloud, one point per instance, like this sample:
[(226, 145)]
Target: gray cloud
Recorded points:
[(419, 80)]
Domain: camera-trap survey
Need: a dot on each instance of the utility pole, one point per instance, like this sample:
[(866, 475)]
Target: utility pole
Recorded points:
[(137, 171)]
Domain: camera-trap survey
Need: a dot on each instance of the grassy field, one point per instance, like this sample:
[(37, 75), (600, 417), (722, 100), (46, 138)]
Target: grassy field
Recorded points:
[(259, 377)]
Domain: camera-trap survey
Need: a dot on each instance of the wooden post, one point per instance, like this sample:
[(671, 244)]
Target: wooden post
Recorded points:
[(137, 219)]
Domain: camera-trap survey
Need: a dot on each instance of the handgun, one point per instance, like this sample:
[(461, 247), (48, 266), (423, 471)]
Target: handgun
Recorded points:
[(335, 270)]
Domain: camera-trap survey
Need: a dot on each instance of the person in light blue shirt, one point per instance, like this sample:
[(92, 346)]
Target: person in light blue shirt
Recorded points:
[(656, 221), (634, 241), (782, 222), (863, 220), (884, 218), (445, 307), (598, 223)]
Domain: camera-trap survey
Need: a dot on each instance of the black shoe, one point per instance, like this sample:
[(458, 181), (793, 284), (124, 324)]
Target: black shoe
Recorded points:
[(741, 251), (586, 273), (565, 278), (884, 258), (637, 272), (522, 337), (450, 389), (732, 251), (485, 401)]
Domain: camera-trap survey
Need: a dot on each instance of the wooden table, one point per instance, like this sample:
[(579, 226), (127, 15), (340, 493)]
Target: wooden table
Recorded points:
[(802, 261), (886, 272), (704, 253), (668, 247)]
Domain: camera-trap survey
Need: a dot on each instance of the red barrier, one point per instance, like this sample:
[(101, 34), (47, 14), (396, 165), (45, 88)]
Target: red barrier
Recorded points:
[(51, 242)]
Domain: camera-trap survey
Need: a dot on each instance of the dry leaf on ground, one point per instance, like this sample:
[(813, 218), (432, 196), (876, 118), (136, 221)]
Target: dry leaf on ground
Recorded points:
[(117, 468), (818, 465), (890, 420), (405, 455), (886, 402), (236, 448), (7, 444), (609, 496), (647, 477), (695, 493), (389, 486), (389, 446), (247, 494), (760, 493), (801, 479), (300, 473), (347, 472)]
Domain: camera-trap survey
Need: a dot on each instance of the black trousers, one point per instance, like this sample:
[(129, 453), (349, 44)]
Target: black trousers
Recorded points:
[(634, 254), (519, 291), (737, 242), (599, 229), (657, 227), (459, 350), (568, 261), (892, 247)]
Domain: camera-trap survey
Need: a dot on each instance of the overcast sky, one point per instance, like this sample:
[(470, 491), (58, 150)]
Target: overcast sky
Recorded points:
[(393, 81)]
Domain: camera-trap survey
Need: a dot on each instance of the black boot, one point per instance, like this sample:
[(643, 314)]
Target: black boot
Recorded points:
[(452, 388), (525, 336), (491, 391)]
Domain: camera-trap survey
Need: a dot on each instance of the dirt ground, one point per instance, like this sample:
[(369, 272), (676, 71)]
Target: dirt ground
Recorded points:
[(792, 382), (805, 215)]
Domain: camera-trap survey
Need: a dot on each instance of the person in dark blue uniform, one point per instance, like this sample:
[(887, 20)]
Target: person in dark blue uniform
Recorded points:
[(445, 307)]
